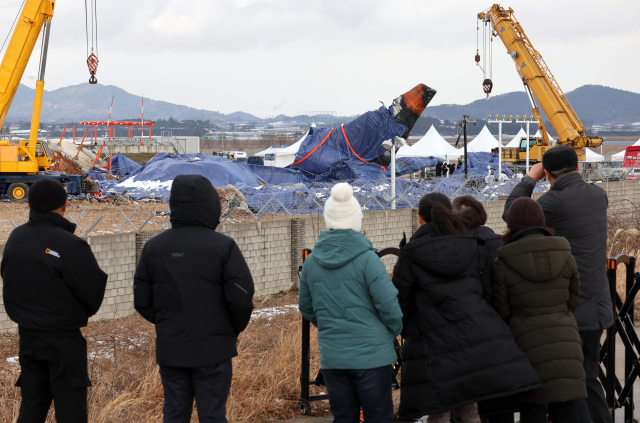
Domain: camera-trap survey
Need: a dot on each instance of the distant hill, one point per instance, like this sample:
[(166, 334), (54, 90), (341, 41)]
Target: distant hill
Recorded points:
[(592, 103), (91, 102)]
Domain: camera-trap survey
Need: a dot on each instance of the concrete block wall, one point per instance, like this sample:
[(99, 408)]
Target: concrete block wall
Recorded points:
[(266, 247), (6, 325), (116, 255)]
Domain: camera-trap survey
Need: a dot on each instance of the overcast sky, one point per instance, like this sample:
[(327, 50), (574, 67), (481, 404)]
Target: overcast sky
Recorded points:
[(268, 57)]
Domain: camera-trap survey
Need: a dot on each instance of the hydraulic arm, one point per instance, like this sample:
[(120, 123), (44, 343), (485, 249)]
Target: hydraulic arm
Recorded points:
[(538, 80)]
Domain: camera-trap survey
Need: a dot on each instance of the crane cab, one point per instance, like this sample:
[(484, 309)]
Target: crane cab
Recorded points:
[(16, 158), (537, 148)]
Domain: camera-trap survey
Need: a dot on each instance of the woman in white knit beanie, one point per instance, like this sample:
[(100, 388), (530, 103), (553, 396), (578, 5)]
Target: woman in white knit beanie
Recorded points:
[(346, 293)]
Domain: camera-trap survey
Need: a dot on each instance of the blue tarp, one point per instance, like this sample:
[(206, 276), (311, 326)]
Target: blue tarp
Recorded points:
[(478, 164), (277, 175), (334, 159), (96, 174), (121, 165), (154, 179)]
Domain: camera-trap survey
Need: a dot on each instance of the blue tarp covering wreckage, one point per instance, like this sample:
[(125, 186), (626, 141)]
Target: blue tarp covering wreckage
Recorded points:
[(350, 152), (353, 150), (121, 165)]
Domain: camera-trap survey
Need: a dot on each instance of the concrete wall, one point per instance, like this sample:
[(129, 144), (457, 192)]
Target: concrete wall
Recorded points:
[(273, 248), (132, 149)]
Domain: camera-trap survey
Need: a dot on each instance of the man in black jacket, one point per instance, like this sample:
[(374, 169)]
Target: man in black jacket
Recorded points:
[(195, 285), (52, 285), (578, 211)]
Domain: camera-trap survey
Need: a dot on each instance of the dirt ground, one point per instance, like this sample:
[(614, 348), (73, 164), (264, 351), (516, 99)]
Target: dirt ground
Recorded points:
[(59, 163)]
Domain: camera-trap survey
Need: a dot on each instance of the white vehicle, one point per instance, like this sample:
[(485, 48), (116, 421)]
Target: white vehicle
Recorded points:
[(270, 159), (237, 154)]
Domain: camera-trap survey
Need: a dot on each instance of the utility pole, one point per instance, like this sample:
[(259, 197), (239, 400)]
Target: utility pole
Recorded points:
[(500, 122), (463, 130)]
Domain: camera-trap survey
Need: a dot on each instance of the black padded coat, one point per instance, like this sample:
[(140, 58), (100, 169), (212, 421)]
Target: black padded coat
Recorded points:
[(457, 348), (536, 290), (193, 282)]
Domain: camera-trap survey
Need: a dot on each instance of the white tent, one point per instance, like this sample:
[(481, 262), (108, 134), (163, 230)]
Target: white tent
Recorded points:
[(484, 142), (618, 157), (593, 157), (431, 144), (286, 156), (515, 142), (270, 150)]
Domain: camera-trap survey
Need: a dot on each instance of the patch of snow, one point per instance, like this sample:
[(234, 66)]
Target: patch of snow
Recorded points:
[(271, 312), (13, 360)]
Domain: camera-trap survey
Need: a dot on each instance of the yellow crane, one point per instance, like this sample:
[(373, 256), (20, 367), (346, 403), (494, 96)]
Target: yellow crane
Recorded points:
[(21, 162), (539, 83), (28, 157)]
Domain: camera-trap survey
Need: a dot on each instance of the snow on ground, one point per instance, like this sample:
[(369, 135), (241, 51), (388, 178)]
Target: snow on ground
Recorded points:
[(12, 360), (146, 185), (271, 312)]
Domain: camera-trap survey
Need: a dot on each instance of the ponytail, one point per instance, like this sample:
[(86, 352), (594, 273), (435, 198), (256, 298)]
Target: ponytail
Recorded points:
[(445, 221)]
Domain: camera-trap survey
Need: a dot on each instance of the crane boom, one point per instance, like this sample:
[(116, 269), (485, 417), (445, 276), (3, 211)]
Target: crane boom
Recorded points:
[(28, 27), (538, 79)]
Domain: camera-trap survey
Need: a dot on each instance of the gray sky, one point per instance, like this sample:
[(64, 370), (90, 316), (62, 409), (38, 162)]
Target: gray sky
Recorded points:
[(268, 57)]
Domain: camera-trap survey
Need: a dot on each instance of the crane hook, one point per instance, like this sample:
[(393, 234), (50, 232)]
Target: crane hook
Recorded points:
[(92, 62), (487, 85)]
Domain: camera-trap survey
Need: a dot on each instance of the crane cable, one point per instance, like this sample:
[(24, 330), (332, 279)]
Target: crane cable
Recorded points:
[(92, 59), (14, 23)]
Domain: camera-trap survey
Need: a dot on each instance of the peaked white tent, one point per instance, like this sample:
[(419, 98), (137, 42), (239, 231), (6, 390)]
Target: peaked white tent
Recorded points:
[(286, 156), (515, 142), (270, 150), (431, 144), (618, 157), (593, 157), (484, 142)]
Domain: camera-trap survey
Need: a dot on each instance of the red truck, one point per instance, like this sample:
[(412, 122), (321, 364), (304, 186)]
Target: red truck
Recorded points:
[(631, 162)]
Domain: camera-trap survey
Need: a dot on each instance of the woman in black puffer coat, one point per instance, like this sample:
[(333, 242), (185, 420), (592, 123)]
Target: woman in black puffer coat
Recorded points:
[(457, 349)]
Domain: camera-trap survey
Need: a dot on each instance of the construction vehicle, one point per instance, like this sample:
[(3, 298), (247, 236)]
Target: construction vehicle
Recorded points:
[(21, 162), (539, 83)]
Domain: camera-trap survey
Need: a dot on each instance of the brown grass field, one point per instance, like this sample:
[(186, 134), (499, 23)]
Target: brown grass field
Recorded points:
[(126, 383)]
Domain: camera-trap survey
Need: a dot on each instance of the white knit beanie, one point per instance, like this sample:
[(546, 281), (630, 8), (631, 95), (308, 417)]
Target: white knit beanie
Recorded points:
[(342, 210)]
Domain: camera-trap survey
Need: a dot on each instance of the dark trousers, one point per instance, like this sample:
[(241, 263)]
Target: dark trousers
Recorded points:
[(593, 409), (559, 412), (53, 369), (349, 390), (209, 386)]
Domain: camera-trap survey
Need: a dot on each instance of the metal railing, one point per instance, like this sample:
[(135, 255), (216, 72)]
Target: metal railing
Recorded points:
[(619, 395)]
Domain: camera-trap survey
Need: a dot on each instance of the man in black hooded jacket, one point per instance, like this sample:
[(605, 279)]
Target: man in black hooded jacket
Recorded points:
[(195, 285), (52, 285)]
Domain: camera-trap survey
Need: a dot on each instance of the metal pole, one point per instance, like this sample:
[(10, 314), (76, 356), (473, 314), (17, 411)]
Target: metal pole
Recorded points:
[(629, 356), (528, 145), (500, 150), (464, 129), (393, 173), (304, 371)]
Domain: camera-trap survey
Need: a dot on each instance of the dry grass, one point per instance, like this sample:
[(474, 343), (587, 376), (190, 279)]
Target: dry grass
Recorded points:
[(126, 383)]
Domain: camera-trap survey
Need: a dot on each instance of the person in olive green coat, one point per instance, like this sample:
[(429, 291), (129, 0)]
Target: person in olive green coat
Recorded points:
[(536, 290), (346, 293)]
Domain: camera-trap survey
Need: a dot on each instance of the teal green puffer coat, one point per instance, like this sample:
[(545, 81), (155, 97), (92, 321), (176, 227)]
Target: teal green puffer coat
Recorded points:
[(346, 292)]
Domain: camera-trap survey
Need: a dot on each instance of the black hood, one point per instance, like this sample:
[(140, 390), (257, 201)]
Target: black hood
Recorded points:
[(443, 256), (194, 202)]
